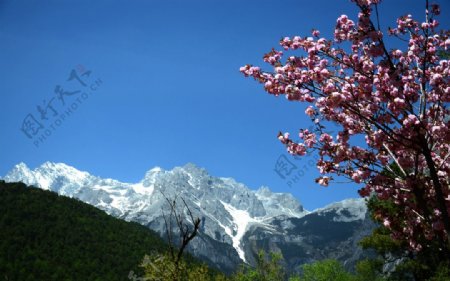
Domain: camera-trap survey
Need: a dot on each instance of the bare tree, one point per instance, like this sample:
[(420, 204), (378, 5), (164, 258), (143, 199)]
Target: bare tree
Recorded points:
[(186, 231)]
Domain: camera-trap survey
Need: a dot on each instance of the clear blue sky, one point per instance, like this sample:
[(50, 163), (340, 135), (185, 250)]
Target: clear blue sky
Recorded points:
[(171, 92)]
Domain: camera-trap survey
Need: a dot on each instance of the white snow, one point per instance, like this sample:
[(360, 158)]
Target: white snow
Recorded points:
[(117, 202), (241, 219), (42, 181), (191, 181), (111, 189), (102, 205), (140, 206), (71, 173), (156, 170), (355, 206), (141, 189), (273, 203)]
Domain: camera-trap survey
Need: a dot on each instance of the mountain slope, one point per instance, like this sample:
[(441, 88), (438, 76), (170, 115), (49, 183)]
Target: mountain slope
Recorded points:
[(235, 220), (49, 237), (331, 232)]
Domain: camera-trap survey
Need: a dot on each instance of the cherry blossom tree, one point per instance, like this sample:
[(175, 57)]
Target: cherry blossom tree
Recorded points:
[(397, 99)]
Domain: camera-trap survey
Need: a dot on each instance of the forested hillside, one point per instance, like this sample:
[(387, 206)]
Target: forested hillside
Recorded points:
[(44, 236)]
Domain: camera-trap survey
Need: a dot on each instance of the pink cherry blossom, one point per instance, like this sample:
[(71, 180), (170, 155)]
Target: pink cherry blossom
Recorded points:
[(396, 98), (310, 111)]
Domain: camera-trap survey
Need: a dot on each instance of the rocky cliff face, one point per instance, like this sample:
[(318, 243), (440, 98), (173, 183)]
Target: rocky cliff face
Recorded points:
[(236, 221), (331, 232)]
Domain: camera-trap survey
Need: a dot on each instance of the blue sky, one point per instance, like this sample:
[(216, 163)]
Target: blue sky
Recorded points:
[(163, 88)]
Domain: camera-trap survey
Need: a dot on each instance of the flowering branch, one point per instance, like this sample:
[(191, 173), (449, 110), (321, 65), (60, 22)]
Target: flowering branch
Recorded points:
[(396, 99)]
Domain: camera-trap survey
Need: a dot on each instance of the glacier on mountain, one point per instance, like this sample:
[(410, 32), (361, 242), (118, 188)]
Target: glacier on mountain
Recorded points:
[(239, 205), (229, 210)]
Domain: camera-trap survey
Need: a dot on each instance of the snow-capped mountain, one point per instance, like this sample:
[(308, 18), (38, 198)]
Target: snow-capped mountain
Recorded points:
[(235, 220)]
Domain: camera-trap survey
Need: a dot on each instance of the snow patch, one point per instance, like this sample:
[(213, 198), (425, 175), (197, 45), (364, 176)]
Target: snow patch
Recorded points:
[(69, 172), (156, 170), (347, 210), (116, 190), (241, 219), (141, 189), (42, 182), (191, 181), (117, 202)]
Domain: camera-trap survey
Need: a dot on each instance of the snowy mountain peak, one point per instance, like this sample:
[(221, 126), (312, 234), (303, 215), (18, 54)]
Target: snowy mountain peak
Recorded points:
[(279, 204), (193, 170), (140, 201), (21, 165), (47, 176), (21, 172), (20, 168), (63, 170), (264, 191), (228, 209), (156, 170), (348, 210), (151, 174)]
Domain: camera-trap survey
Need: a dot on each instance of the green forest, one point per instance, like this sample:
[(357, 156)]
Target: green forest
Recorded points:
[(45, 236)]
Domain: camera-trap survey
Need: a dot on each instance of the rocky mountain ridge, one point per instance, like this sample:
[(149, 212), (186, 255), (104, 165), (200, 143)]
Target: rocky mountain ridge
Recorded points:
[(236, 221)]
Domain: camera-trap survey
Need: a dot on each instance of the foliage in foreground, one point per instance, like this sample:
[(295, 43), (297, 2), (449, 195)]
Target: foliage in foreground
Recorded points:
[(400, 262), (268, 268)]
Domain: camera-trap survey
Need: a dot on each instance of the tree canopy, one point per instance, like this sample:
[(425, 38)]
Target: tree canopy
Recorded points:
[(396, 99), (45, 236)]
